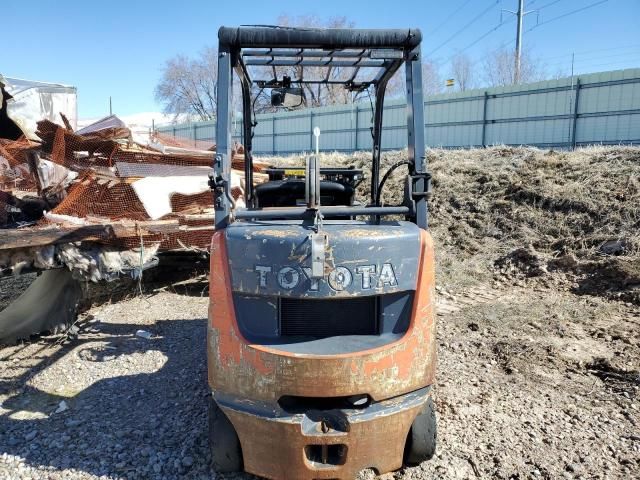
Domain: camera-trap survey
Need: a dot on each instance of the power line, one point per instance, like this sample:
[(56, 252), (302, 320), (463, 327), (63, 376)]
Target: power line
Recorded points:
[(491, 52), (580, 52), (618, 62), (589, 60), (581, 60), (584, 58), (493, 29), (449, 17), (475, 19), (503, 44), (548, 4), (484, 35), (508, 42), (481, 37), (567, 14)]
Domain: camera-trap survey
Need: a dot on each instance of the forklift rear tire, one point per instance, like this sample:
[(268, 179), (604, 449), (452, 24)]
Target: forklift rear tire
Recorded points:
[(226, 453), (421, 441)]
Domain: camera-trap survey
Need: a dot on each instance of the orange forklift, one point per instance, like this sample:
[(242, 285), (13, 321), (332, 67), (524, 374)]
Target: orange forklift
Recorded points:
[(321, 333)]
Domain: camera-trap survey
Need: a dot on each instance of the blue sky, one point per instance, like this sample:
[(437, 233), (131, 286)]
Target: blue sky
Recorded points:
[(117, 47)]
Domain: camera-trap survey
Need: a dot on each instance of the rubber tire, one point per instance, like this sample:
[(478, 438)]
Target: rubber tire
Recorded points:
[(422, 438), (226, 453)]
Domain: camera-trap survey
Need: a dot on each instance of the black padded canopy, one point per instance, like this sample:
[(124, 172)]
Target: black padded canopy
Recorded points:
[(330, 38), (357, 50)]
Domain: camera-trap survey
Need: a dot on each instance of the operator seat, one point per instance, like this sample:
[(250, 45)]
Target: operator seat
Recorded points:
[(290, 192)]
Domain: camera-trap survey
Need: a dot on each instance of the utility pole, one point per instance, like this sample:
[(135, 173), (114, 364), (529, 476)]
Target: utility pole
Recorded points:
[(520, 14), (516, 73), (110, 109)]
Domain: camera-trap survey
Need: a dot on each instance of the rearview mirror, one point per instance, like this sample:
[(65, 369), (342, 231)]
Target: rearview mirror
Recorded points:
[(287, 97)]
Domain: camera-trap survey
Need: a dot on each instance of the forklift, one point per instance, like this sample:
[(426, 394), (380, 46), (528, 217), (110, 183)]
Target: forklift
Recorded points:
[(321, 334)]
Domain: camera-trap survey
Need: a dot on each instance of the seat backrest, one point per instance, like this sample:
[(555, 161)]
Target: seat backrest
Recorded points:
[(291, 193)]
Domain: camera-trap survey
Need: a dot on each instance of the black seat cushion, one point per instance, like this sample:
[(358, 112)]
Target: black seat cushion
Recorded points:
[(290, 193)]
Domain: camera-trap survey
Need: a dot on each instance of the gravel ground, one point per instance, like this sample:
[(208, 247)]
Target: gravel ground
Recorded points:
[(136, 407), (12, 287), (520, 391)]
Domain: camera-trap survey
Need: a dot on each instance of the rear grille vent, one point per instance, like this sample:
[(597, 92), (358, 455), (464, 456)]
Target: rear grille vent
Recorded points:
[(328, 318)]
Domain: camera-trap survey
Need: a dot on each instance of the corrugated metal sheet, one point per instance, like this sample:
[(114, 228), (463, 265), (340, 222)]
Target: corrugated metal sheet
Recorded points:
[(540, 114)]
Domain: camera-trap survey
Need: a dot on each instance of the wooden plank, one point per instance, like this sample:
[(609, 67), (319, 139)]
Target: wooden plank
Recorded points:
[(37, 237)]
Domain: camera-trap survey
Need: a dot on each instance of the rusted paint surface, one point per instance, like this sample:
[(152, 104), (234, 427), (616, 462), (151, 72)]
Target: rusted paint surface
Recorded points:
[(367, 233), (263, 373), (372, 441), (280, 233)]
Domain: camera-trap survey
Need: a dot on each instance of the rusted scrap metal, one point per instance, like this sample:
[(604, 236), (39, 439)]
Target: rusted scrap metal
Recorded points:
[(107, 166), (77, 152), (100, 188), (15, 171)]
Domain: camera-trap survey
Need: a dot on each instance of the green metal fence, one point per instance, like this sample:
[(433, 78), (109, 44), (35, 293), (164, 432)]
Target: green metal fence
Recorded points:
[(598, 108)]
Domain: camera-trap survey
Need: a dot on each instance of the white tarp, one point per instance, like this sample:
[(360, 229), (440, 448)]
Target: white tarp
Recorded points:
[(34, 101), (155, 192)]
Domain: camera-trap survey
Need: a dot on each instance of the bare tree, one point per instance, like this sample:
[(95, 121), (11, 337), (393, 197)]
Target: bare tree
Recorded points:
[(320, 94), (499, 68), (462, 72), (189, 86), (560, 72), (431, 80)]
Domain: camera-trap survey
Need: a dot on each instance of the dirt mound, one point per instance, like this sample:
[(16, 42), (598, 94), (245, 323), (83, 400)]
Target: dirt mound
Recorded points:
[(617, 379), (527, 212), (554, 201), (617, 277), (522, 260)]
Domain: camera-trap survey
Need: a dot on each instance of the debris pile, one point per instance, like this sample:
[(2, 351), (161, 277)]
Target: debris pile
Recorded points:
[(103, 184)]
